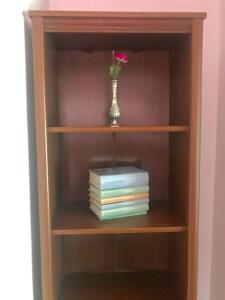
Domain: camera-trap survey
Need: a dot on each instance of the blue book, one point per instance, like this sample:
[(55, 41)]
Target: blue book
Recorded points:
[(119, 177)]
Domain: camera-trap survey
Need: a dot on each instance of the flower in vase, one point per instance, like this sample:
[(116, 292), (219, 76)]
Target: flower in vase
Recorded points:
[(121, 57), (116, 66)]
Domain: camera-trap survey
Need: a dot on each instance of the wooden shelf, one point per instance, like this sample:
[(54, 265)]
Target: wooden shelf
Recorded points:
[(155, 15), (119, 129), (132, 286), (77, 219)]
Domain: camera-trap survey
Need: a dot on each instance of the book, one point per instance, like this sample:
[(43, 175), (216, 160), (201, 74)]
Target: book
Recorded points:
[(120, 204), (119, 192), (118, 177), (119, 199), (119, 212)]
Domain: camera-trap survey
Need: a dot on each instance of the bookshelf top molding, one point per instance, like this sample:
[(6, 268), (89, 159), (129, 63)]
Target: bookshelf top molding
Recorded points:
[(114, 14), (116, 22)]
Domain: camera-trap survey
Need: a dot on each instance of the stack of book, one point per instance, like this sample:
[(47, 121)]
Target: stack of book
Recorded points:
[(118, 192)]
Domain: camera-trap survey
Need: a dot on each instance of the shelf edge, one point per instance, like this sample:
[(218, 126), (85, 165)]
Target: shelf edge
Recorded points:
[(172, 229), (119, 129)]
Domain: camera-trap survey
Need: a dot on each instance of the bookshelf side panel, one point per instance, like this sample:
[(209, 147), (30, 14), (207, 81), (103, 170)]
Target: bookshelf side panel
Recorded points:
[(47, 157), (194, 159)]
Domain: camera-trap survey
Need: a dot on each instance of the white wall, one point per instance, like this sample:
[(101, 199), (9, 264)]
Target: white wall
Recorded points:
[(15, 228)]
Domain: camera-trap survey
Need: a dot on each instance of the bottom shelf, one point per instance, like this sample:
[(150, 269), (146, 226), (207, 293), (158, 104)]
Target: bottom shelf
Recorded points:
[(118, 286)]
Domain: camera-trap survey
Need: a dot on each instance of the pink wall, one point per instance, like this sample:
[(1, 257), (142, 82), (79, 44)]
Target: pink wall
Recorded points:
[(209, 105), (218, 258), (128, 5)]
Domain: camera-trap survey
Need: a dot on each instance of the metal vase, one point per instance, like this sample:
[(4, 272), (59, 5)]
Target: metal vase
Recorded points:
[(114, 110)]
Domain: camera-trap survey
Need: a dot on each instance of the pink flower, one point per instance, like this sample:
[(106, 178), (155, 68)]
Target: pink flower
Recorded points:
[(121, 57)]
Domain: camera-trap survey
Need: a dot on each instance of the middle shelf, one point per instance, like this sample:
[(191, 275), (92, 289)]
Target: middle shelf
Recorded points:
[(77, 219), (155, 129)]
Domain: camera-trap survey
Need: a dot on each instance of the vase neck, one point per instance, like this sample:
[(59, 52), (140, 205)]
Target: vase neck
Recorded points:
[(114, 91)]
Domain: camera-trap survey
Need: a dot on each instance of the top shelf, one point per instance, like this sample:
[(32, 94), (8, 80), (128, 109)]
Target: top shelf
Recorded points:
[(119, 129), (57, 13), (116, 22)]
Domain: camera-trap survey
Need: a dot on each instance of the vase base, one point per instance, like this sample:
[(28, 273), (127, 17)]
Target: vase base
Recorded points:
[(114, 124)]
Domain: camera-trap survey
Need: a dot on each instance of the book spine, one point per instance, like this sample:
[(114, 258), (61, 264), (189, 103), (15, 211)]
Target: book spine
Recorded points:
[(94, 179), (120, 192), (119, 199), (116, 216), (120, 204), (123, 181), (122, 216), (121, 211)]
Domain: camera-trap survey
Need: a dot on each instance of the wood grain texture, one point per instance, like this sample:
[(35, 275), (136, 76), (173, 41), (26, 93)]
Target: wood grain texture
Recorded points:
[(194, 161), (109, 253), (151, 151), (119, 24), (88, 253), (180, 114), (41, 136), (84, 100), (81, 152), (179, 183), (77, 219), (85, 91), (180, 88), (177, 263), (53, 162), (180, 58), (57, 13), (110, 22), (141, 252), (179, 173), (159, 92), (119, 129), (57, 264), (136, 42), (124, 286), (51, 83)]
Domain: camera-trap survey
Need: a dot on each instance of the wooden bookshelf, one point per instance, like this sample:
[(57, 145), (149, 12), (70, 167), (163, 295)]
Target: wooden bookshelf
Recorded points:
[(147, 257)]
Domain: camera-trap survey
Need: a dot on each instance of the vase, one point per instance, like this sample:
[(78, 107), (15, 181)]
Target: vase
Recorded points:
[(115, 109)]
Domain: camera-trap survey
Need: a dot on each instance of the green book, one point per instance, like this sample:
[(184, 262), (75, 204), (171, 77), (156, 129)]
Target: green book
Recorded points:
[(102, 194), (119, 212), (119, 204)]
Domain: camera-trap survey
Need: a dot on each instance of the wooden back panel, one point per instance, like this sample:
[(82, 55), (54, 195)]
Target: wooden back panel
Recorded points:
[(85, 89), (116, 253), (80, 152), (84, 100)]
